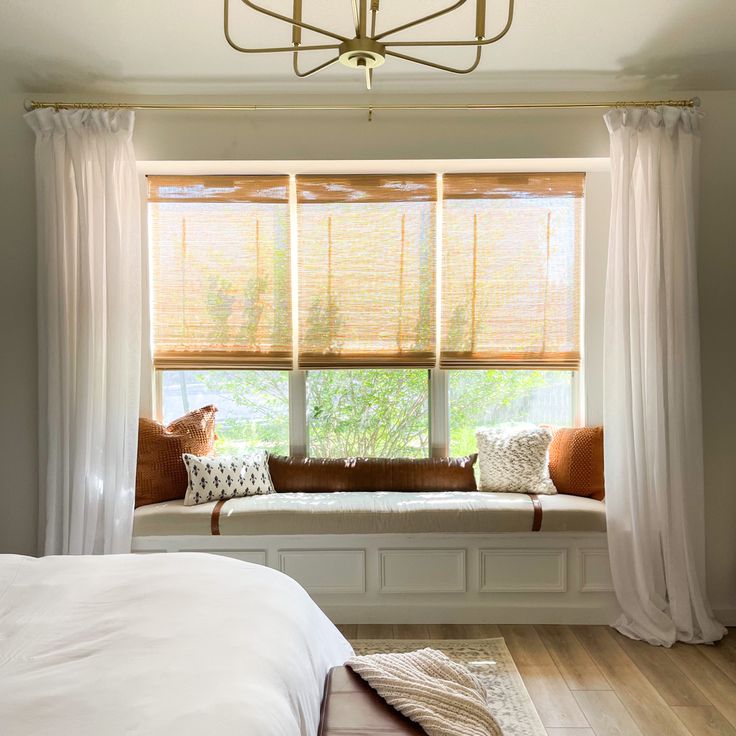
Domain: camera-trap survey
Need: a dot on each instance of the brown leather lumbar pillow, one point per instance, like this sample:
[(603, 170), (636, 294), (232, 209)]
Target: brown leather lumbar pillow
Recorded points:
[(161, 474), (576, 461), (316, 474)]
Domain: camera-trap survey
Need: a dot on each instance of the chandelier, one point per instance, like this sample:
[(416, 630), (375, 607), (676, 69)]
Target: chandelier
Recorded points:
[(368, 48)]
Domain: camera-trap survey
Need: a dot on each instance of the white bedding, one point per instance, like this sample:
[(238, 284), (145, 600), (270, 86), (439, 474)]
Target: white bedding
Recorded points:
[(159, 644)]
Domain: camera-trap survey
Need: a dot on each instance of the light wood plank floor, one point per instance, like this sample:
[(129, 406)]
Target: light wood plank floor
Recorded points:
[(591, 681)]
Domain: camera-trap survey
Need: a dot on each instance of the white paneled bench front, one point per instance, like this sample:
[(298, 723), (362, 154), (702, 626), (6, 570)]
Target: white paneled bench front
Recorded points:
[(393, 557)]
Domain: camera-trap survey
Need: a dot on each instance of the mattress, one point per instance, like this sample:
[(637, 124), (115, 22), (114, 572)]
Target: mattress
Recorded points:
[(184, 644)]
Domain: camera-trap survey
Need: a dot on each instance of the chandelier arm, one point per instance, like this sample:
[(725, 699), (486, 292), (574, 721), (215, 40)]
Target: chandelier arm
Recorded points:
[(424, 19), (363, 4), (296, 32), (374, 10), (317, 68), (476, 42), (442, 67), (356, 16), (293, 21), (269, 50)]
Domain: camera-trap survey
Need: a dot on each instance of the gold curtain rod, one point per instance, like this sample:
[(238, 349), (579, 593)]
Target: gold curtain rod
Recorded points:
[(36, 104)]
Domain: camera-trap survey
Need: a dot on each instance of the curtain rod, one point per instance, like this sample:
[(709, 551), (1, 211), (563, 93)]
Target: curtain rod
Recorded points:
[(36, 104)]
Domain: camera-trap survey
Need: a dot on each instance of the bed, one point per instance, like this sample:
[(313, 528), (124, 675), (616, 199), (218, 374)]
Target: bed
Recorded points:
[(160, 644)]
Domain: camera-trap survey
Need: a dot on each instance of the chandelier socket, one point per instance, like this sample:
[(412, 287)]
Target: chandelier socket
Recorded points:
[(362, 53)]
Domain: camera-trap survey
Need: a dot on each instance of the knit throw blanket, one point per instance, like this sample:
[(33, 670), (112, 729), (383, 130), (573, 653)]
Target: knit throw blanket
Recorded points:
[(442, 696)]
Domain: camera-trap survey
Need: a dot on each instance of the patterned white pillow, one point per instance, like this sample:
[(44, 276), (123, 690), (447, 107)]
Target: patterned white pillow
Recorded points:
[(513, 458), (226, 476)]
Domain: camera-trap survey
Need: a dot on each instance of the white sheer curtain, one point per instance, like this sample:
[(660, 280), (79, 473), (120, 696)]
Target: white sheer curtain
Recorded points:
[(89, 296), (653, 438)]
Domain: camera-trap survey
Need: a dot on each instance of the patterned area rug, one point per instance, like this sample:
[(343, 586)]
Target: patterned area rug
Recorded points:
[(508, 699)]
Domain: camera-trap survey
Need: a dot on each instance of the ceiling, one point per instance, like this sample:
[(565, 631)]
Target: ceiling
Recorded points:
[(177, 47)]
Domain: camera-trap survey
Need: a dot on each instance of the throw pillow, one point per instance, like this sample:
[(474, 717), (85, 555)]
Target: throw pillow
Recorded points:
[(576, 461), (161, 475), (226, 476), (513, 459), (325, 475)]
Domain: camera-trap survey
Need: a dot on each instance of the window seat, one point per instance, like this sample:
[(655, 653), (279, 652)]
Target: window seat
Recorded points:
[(372, 513), (397, 557)]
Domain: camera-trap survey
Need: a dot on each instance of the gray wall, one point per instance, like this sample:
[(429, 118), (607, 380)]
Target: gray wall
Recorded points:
[(18, 354), (213, 136)]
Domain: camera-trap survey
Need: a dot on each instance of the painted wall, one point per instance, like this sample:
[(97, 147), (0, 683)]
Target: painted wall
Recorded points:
[(214, 136), (18, 351)]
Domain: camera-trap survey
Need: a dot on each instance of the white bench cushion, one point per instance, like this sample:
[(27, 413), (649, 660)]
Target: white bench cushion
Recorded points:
[(373, 513)]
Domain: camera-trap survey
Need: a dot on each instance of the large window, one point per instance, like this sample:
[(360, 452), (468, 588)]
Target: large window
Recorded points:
[(379, 315)]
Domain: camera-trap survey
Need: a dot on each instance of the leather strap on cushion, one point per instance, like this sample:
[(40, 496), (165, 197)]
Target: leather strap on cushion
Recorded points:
[(537, 520), (215, 520)]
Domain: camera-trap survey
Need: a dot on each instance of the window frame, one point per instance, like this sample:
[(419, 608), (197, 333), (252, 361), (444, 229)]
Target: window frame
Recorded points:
[(595, 223)]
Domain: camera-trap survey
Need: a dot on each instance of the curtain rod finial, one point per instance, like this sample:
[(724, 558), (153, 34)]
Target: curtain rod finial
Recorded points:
[(696, 102), (28, 105)]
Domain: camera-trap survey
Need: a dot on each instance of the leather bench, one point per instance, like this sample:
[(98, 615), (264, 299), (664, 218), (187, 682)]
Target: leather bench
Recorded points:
[(350, 707)]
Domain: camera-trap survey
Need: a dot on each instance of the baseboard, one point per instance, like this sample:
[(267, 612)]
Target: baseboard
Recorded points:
[(471, 614)]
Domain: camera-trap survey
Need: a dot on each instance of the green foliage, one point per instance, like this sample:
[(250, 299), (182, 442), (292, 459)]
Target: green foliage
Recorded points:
[(373, 413), (266, 395), (482, 398)]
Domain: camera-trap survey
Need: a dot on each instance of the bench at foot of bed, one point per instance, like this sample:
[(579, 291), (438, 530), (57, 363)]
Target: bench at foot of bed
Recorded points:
[(350, 707)]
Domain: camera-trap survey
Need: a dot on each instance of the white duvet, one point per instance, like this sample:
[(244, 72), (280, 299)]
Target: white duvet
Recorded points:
[(159, 644)]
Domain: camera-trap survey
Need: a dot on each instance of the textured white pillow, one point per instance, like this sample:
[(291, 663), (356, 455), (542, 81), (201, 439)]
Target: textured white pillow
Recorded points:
[(226, 476), (513, 458)]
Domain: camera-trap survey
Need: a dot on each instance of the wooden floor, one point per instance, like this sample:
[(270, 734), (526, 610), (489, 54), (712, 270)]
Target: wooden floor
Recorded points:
[(591, 681)]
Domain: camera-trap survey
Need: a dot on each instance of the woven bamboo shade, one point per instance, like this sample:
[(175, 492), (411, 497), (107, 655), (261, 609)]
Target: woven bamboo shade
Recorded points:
[(220, 260), (511, 270), (366, 270)]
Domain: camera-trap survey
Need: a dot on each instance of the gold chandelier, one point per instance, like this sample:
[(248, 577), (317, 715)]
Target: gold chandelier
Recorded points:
[(369, 49)]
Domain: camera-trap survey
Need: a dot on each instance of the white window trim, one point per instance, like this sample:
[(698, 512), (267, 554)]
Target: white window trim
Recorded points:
[(595, 224)]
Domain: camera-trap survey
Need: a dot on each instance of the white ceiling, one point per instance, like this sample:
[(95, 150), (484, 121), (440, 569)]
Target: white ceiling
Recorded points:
[(177, 47)]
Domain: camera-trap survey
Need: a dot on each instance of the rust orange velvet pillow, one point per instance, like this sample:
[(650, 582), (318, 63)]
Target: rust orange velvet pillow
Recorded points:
[(161, 474), (576, 461)]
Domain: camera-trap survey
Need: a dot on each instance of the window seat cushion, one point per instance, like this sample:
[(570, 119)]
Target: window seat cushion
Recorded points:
[(377, 512)]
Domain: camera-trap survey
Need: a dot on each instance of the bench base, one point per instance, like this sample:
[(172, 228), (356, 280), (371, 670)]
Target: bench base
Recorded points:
[(350, 707), (540, 577)]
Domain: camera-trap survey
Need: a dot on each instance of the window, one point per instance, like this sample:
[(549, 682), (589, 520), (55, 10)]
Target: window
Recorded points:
[(220, 263), (366, 270), (252, 406), (510, 278), (368, 413), (479, 399), (363, 367)]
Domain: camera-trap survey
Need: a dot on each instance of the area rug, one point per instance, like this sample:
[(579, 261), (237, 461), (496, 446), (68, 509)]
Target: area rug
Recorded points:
[(490, 660)]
